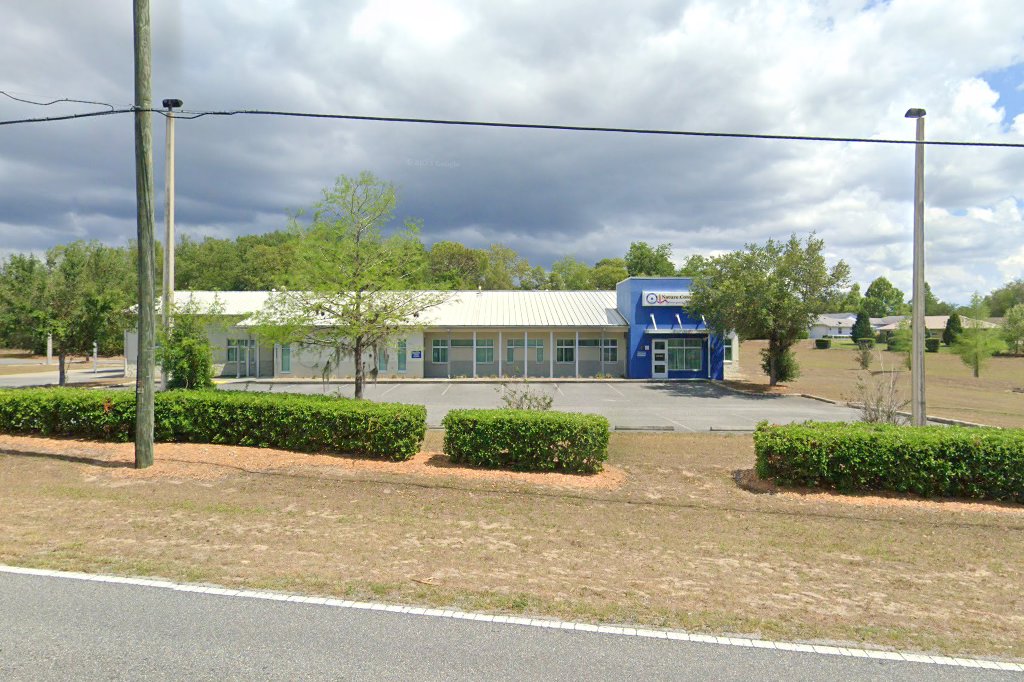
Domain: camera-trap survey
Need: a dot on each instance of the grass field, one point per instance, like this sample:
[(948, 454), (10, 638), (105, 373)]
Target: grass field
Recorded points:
[(996, 398), (677, 544)]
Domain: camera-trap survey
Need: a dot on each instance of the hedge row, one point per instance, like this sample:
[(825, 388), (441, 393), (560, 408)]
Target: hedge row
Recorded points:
[(527, 440), (307, 423), (983, 463), (822, 343)]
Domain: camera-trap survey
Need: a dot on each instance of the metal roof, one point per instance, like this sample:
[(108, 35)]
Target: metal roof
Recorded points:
[(465, 308)]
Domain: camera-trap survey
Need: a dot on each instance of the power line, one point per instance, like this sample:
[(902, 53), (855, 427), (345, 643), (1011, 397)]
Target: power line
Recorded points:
[(67, 117), (590, 129), (56, 101), (195, 114)]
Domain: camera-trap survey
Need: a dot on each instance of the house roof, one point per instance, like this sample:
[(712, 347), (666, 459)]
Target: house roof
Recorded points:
[(828, 320), (938, 323), (464, 308)]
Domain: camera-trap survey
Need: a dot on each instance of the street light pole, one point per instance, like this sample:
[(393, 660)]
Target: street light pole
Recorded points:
[(167, 304), (917, 403)]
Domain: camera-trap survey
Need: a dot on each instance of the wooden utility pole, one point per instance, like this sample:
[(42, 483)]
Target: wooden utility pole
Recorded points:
[(144, 389)]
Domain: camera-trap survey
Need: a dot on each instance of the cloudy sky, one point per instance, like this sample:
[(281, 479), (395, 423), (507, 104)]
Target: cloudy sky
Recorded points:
[(805, 67)]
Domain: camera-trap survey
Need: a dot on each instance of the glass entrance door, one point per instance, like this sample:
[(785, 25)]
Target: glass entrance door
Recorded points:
[(659, 359)]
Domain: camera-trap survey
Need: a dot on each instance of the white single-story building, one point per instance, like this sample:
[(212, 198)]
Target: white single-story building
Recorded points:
[(640, 330)]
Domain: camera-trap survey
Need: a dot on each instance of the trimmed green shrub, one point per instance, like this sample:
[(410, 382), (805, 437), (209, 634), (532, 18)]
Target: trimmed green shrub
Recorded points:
[(931, 345), (866, 344), (306, 423), (953, 461), (527, 440), (823, 343)]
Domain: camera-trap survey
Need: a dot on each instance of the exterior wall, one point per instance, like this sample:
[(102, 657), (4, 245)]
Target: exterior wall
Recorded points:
[(819, 331), (461, 357), (629, 293), (308, 362)]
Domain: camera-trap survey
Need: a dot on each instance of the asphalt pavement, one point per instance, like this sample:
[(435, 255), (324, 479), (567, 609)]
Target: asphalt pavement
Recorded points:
[(657, 406), (55, 628)]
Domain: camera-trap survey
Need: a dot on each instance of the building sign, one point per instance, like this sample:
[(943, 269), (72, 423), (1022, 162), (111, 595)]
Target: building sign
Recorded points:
[(665, 298), (416, 354)]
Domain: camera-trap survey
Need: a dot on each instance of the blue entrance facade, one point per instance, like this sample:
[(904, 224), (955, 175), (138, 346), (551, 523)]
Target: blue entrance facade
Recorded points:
[(665, 339)]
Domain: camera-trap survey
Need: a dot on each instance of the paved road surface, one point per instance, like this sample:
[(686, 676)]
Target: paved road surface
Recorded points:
[(679, 406), (59, 629), (49, 376)]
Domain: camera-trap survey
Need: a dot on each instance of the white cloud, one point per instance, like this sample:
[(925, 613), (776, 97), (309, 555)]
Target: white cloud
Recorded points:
[(830, 67)]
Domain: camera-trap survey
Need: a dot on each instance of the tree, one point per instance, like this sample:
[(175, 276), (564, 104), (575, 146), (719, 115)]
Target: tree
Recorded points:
[(186, 353), (608, 272), (345, 293), (883, 299), (505, 268), (1013, 328), (642, 260), (933, 306), (953, 329), (456, 266), (862, 327), (975, 345), (22, 287), (1005, 297), (769, 292), (693, 265), (86, 298), (570, 274), (851, 301)]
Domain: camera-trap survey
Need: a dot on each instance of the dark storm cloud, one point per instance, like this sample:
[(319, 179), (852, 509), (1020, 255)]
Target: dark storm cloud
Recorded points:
[(831, 68)]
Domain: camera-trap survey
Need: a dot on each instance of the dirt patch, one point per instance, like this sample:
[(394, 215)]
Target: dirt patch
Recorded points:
[(204, 462), (749, 480)]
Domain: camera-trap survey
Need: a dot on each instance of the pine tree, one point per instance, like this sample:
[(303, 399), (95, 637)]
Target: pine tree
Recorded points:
[(953, 329), (862, 327)]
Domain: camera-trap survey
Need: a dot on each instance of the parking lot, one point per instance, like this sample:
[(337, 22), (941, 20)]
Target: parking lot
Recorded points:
[(664, 406)]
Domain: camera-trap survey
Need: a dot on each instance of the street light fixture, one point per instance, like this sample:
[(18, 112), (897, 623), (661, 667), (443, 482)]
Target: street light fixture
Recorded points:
[(917, 405), (168, 297)]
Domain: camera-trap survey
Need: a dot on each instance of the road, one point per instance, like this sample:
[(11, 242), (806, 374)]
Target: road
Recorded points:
[(48, 377), (59, 628), (643, 405)]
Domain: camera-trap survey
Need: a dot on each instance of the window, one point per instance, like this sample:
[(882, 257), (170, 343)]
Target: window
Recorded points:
[(235, 344), (286, 357), (512, 344), (401, 355), (728, 350), (485, 351), (684, 354), (382, 360), (565, 350), (462, 343), (590, 343), (610, 351), (439, 351)]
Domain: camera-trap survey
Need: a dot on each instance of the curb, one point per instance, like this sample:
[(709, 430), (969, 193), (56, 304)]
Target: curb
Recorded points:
[(826, 650)]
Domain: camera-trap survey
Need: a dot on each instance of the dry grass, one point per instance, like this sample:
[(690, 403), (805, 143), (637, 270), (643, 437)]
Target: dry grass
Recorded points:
[(996, 398), (677, 543)]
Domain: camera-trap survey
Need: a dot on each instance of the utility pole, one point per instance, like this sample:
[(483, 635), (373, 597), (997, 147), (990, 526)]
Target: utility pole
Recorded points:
[(919, 416), (144, 220), (167, 305)]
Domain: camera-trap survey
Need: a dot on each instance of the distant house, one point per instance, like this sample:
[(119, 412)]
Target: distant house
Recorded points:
[(832, 324), (935, 324)]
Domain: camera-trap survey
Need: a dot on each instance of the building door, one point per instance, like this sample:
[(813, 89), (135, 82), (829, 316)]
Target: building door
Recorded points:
[(659, 359)]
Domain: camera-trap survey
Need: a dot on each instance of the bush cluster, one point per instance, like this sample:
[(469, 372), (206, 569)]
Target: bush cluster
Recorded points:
[(823, 343), (527, 440), (983, 463), (306, 423), (867, 344), (931, 344)]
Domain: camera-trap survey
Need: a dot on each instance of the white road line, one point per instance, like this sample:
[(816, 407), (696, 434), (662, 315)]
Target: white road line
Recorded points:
[(621, 394), (528, 622), (558, 389), (446, 389), (681, 424), (393, 387)]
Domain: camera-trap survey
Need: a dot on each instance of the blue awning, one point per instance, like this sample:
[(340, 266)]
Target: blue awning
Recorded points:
[(697, 328)]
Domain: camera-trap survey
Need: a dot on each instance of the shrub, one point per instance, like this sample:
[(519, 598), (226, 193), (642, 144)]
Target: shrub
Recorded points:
[(867, 343), (307, 423), (983, 463), (822, 343), (931, 345), (787, 369), (527, 440)]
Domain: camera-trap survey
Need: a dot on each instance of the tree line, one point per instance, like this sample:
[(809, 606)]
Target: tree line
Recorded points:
[(83, 292)]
